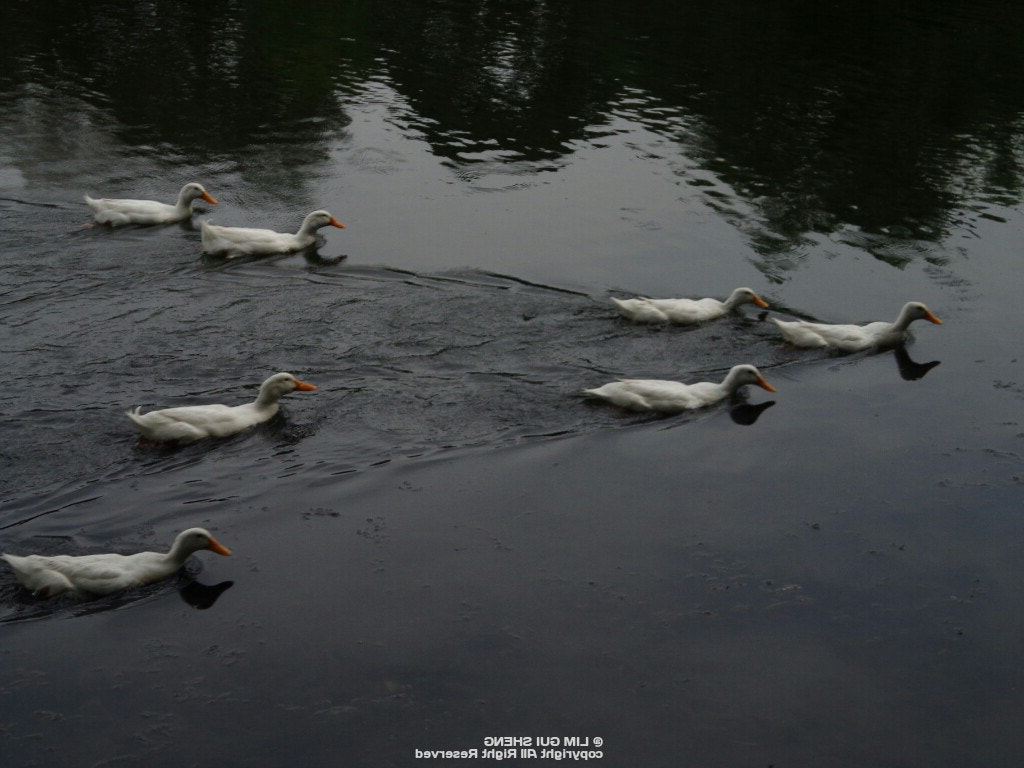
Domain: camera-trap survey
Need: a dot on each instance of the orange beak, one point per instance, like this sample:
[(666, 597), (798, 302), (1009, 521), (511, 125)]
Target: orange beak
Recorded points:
[(303, 386), (216, 546), (764, 384), (759, 302), (932, 318), (336, 223), (208, 198)]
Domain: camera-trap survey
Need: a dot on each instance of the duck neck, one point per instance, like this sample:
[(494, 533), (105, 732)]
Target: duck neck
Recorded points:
[(732, 302), (730, 383), (184, 202), (903, 321), (178, 554), (266, 400), (307, 230)]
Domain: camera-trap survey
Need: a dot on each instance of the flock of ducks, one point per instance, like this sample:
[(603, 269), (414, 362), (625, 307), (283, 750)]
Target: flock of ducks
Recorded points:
[(100, 574), (673, 396), (228, 242)]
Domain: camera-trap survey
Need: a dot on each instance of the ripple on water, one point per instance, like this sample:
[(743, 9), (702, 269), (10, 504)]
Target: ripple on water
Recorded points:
[(405, 364)]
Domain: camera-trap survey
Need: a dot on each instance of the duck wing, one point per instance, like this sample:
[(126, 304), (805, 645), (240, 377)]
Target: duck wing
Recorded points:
[(690, 311), (190, 422), (245, 241), (640, 310)]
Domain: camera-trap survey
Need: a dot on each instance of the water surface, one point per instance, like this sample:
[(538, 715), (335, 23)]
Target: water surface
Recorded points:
[(444, 542)]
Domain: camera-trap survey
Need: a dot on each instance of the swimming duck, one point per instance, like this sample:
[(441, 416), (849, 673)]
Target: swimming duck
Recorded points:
[(685, 311), (240, 241), (49, 575), (118, 212), (194, 422), (854, 338), (673, 396)]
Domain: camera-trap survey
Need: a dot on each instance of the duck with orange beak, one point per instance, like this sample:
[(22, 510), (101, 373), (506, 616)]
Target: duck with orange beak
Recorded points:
[(50, 575), (242, 241), (855, 338), (674, 396), (117, 212), (186, 424), (685, 311)]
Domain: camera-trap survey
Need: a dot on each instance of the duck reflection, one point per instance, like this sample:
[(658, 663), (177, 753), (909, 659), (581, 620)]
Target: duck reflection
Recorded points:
[(311, 255), (910, 370), (202, 596), (315, 259), (746, 414)]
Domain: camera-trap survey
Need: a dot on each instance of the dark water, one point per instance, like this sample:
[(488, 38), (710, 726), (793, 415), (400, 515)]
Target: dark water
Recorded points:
[(443, 543)]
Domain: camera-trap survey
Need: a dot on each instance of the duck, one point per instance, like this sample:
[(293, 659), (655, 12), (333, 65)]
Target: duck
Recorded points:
[(189, 423), (241, 241), (662, 396), (51, 575), (118, 212), (685, 311), (855, 338)]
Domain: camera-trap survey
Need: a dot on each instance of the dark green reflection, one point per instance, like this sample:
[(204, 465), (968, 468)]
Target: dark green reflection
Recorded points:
[(881, 118)]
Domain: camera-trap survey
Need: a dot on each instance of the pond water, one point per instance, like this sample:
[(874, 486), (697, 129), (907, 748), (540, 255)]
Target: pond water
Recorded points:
[(444, 544)]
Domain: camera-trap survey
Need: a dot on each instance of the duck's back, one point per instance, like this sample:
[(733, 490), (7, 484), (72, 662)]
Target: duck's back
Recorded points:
[(690, 310), (656, 394), (246, 241), (119, 212)]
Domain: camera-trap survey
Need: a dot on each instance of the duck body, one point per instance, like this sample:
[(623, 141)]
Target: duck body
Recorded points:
[(50, 575), (117, 212), (685, 311), (242, 241), (673, 396), (189, 423), (855, 338)]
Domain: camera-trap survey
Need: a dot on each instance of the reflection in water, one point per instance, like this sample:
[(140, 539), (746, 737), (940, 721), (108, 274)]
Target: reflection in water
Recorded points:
[(800, 131), (746, 414), (226, 87), (203, 596), (908, 369), (764, 111), (23, 606), (311, 255)]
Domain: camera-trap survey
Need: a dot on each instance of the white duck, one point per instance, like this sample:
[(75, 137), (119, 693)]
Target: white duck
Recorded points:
[(241, 241), (118, 212), (194, 422), (673, 396), (685, 311), (854, 338), (51, 575)]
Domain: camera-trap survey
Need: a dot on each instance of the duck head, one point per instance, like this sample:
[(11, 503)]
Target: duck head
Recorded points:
[(745, 296), (915, 310), (195, 539), (193, 191), (742, 375), (318, 219), (281, 384)]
